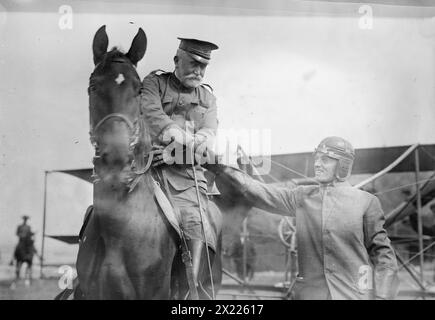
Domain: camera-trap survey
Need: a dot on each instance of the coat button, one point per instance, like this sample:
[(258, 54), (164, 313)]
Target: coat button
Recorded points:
[(181, 102)]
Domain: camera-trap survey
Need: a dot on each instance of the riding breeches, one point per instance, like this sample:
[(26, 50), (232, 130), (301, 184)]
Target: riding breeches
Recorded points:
[(187, 203)]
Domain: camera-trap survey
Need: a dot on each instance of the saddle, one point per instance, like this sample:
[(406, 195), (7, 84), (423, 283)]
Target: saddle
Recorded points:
[(172, 215)]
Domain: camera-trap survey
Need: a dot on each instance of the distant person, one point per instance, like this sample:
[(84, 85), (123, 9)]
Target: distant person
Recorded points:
[(24, 230), (236, 253), (251, 258), (24, 251)]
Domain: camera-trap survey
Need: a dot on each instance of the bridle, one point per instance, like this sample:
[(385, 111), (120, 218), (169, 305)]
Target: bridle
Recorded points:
[(135, 131)]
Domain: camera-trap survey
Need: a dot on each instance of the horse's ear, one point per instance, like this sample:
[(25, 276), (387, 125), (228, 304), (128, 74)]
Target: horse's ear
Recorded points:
[(100, 44), (138, 47)]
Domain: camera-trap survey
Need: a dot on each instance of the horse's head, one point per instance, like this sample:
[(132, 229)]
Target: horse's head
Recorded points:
[(114, 102)]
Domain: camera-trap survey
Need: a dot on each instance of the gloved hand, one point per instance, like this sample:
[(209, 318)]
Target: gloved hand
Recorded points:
[(177, 135), (162, 155), (201, 150)]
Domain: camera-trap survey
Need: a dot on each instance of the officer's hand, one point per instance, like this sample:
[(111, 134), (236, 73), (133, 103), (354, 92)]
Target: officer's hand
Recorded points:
[(161, 156), (176, 134), (201, 153)]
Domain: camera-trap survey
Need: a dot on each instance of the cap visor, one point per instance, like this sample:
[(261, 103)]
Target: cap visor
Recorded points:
[(199, 58)]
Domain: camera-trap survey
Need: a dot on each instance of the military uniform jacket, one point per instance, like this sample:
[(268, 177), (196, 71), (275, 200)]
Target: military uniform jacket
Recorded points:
[(23, 231), (340, 237), (166, 102)]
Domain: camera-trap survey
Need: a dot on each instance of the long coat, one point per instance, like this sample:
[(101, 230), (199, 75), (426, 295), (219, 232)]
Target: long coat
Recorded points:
[(343, 249)]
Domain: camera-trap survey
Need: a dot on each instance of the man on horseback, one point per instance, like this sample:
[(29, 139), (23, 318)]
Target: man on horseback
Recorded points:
[(24, 232), (24, 251), (182, 115)]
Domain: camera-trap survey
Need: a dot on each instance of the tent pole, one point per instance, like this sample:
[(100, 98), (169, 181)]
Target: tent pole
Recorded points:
[(43, 225), (419, 215), (410, 271)]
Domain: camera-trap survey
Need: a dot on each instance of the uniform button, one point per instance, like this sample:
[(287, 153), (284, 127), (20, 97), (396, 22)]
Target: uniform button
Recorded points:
[(181, 102)]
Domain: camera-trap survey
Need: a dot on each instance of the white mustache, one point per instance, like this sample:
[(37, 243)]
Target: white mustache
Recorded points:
[(198, 78)]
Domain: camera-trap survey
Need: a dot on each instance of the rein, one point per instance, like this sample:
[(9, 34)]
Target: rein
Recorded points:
[(135, 133), (131, 126)]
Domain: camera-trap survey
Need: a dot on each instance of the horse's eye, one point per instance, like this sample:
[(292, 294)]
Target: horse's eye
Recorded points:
[(92, 89)]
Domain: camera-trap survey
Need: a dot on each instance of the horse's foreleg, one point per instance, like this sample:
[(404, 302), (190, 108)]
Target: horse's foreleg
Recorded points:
[(113, 280), (28, 277), (18, 269), (30, 273)]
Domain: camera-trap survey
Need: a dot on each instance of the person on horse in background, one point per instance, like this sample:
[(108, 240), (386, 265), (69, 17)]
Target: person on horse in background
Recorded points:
[(25, 249), (343, 249), (181, 113), (24, 231)]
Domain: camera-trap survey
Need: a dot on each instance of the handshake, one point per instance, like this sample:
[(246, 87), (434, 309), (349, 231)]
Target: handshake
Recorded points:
[(181, 147), (193, 154)]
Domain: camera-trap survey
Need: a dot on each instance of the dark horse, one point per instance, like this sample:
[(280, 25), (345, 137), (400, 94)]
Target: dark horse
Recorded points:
[(23, 253), (128, 249)]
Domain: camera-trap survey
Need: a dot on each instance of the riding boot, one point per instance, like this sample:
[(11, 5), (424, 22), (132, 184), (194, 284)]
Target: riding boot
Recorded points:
[(195, 247)]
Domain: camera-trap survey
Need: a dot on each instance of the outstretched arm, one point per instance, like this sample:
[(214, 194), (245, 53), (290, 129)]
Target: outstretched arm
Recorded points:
[(268, 197)]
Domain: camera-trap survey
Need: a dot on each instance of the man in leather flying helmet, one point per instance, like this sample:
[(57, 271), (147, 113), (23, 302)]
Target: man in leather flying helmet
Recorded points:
[(343, 249)]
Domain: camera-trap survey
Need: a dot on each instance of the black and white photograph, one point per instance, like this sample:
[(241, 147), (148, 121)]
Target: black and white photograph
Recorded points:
[(220, 151)]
